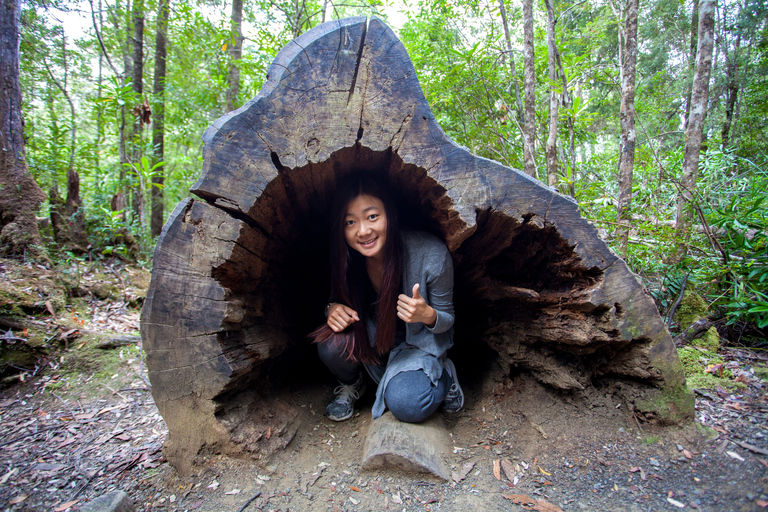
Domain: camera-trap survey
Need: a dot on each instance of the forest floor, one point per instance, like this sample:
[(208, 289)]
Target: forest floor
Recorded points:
[(79, 421)]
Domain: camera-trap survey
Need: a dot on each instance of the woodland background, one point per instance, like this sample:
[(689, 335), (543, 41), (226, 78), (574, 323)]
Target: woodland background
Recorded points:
[(652, 115)]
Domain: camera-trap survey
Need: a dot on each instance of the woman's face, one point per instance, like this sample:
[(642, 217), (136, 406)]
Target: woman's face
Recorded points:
[(365, 226)]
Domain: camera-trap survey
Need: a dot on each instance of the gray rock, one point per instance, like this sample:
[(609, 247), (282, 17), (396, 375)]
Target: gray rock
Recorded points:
[(419, 447), (115, 501)]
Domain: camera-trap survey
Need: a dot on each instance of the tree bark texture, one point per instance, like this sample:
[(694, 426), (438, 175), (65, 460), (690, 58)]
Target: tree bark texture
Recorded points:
[(551, 149), (698, 114), (158, 118), (235, 53), (529, 86), (20, 196), (627, 121), (241, 276)]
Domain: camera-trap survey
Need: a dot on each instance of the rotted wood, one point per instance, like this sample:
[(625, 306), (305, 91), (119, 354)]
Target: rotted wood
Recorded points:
[(241, 274)]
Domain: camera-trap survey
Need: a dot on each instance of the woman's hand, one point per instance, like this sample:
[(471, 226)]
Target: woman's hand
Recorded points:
[(340, 317), (415, 309)]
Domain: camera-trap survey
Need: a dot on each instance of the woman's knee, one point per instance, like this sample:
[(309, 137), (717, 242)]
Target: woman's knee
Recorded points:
[(412, 397)]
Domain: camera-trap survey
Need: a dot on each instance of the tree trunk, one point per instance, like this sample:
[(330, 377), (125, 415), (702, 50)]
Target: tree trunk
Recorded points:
[(529, 84), (694, 133), (235, 53), (568, 104), (551, 150), (137, 82), (627, 120), (535, 287), (158, 119), (513, 71), (691, 61), (20, 196), (732, 83)]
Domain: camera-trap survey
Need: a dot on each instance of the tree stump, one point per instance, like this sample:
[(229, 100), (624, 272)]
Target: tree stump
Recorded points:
[(241, 275)]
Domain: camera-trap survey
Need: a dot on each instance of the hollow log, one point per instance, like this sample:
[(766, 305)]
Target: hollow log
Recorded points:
[(241, 274)]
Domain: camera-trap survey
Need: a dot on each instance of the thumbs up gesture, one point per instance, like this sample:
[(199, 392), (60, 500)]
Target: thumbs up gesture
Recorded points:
[(415, 309)]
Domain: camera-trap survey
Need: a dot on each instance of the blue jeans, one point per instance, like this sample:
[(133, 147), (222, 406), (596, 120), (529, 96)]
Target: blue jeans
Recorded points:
[(410, 395)]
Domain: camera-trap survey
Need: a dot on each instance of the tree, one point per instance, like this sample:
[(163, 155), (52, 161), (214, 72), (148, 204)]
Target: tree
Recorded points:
[(627, 121), (510, 55), (158, 123), (236, 51), (20, 196), (694, 132), (551, 149), (529, 85)]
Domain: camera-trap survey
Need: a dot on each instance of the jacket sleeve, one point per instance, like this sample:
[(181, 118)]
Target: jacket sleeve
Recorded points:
[(440, 291)]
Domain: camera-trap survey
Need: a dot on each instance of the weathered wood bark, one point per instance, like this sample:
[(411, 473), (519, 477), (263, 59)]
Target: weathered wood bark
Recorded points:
[(627, 120), (241, 276), (20, 196)]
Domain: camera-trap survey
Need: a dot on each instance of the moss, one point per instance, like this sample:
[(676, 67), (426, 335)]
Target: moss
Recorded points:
[(761, 373), (696, 361), (691, 309), (710, 341), (670, 405)]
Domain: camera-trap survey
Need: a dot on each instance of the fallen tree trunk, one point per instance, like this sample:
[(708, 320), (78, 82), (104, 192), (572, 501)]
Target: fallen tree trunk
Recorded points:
[(241, 276)]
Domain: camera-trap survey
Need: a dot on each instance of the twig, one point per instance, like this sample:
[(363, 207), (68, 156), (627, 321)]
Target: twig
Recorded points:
[(750, 447), (678, 301), (245, 505), (87, 482)]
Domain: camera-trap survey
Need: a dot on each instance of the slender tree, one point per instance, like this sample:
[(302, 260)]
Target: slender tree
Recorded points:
[(20, 196), (529, 85), (158, 119), (235, 52), (694, 132), (627, 121), (510, 55), (731, 78), (691, 61), (139, 112), (551, 149)]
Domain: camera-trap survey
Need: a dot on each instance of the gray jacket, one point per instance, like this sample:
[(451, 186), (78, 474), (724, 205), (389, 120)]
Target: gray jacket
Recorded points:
[(427, 262)]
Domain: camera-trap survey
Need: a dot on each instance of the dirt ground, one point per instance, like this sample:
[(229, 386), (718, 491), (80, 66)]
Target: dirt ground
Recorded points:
[(84, 423)]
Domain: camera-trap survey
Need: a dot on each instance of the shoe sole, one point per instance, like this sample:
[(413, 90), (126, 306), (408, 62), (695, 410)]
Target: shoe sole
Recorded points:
[(454, 376), (342, 418)]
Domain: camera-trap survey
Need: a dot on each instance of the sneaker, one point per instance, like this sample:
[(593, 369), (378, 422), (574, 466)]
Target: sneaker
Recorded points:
[(454, 400), (343, 406)]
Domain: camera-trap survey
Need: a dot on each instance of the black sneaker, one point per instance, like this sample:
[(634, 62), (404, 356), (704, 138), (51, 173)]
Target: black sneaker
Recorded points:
[(454, 400), (343, 406)]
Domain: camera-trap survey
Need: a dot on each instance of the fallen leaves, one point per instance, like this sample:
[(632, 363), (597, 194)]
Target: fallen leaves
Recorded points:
[(532, 503), (460, 475), (66, 506), (18, 499)]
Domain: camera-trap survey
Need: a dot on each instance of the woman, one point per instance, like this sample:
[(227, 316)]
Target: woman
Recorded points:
[(391, 310)]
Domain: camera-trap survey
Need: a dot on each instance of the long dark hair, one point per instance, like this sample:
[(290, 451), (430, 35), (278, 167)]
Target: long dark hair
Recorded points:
[(349, 277)]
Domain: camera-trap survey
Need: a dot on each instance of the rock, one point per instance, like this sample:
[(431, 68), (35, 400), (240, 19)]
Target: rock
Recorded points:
[(418, 447), (115, 501)]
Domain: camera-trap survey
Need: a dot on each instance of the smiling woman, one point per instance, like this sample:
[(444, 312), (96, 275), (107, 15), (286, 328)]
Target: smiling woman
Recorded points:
[(400, 340)]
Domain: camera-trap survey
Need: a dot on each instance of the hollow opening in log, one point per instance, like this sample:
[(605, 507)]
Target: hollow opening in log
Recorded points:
[(516, 278)]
